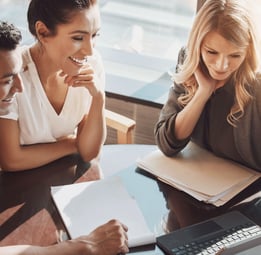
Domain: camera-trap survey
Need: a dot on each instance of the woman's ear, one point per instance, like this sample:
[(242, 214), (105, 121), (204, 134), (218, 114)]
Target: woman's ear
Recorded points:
[(42, 31)]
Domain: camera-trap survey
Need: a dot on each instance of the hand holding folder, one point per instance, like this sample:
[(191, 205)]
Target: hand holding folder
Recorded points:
[(200, 173)]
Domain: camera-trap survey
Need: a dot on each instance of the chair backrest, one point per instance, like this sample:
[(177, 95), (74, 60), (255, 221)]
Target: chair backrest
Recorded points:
[(123, 125)]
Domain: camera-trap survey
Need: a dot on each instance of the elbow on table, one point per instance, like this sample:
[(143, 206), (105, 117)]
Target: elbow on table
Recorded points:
[(10, 168), (167, 150), (10, 165), (169, 146), (88, 156)]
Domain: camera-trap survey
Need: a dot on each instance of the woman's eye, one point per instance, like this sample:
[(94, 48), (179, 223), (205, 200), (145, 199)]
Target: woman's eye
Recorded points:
[(10, 81), (78, 38), (236, 56), (211, 52), (95, 35)]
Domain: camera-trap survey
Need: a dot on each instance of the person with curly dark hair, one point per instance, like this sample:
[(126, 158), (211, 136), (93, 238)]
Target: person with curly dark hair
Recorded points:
[(10, 65)]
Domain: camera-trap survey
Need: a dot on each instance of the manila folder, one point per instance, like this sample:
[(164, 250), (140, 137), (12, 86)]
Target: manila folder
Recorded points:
[(200, 173)]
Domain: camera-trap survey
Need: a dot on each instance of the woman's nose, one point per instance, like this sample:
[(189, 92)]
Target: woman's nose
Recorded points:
[(87, 48), (222, 63)]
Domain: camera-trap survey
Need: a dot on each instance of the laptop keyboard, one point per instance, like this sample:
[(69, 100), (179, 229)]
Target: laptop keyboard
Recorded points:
[(213, 245)]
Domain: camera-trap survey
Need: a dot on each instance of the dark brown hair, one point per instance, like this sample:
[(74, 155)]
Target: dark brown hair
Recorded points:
[(54, 12)]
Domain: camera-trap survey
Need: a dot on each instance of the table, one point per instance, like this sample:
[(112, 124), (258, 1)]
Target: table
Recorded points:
[(28, 215)]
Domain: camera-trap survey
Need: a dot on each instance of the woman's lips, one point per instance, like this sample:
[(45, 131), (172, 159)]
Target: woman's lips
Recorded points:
[(78, 61)]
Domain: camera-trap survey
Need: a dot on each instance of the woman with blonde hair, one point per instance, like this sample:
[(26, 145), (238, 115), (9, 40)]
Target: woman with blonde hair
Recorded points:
[(214, 100)]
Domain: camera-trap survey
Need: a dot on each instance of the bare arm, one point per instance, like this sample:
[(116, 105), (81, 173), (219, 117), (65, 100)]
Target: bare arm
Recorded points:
[(92, 129), (108, 239), (14, 157)]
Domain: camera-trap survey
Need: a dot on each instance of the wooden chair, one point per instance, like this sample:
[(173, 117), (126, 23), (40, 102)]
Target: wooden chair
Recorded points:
[(123, 125)]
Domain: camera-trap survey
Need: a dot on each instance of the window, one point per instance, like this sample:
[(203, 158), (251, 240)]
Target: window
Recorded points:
[(148, 27), (14, 11)]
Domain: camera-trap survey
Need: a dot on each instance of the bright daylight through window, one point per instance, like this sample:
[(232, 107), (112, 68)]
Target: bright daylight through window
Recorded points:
[(149, 27)]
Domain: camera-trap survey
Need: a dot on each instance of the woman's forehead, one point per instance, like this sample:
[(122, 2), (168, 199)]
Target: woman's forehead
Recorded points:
[(216, 41)]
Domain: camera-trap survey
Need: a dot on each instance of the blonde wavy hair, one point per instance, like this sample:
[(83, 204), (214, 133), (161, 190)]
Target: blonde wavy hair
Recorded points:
[(231, 19)]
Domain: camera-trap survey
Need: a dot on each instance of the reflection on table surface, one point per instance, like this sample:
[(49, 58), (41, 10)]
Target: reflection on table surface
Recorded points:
[(25, 202), (26, 205), (185, 210)]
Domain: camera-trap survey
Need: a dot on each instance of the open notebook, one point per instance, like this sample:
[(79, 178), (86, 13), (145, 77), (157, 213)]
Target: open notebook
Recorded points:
[(85, 206), (200, 173)]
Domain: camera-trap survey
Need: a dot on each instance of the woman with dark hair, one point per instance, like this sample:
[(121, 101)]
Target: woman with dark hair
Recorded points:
[(109, 238), (61, 110)]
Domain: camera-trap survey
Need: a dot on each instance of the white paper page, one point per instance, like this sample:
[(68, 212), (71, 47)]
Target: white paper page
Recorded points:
[(85, 206)]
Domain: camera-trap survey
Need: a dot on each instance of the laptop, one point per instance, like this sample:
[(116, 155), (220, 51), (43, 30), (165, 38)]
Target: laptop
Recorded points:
[(222, 233)]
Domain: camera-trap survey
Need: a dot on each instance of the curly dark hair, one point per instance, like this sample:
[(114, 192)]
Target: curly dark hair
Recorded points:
[(10, 36)]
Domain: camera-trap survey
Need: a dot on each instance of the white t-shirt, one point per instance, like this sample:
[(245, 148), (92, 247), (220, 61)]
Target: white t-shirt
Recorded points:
[(38, 121)]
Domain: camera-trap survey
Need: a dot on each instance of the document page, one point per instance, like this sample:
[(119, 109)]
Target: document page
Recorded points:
[(85, 206)]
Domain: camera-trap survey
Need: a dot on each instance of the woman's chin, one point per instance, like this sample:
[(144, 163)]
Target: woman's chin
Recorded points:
[(72, 71), (219, 76)]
